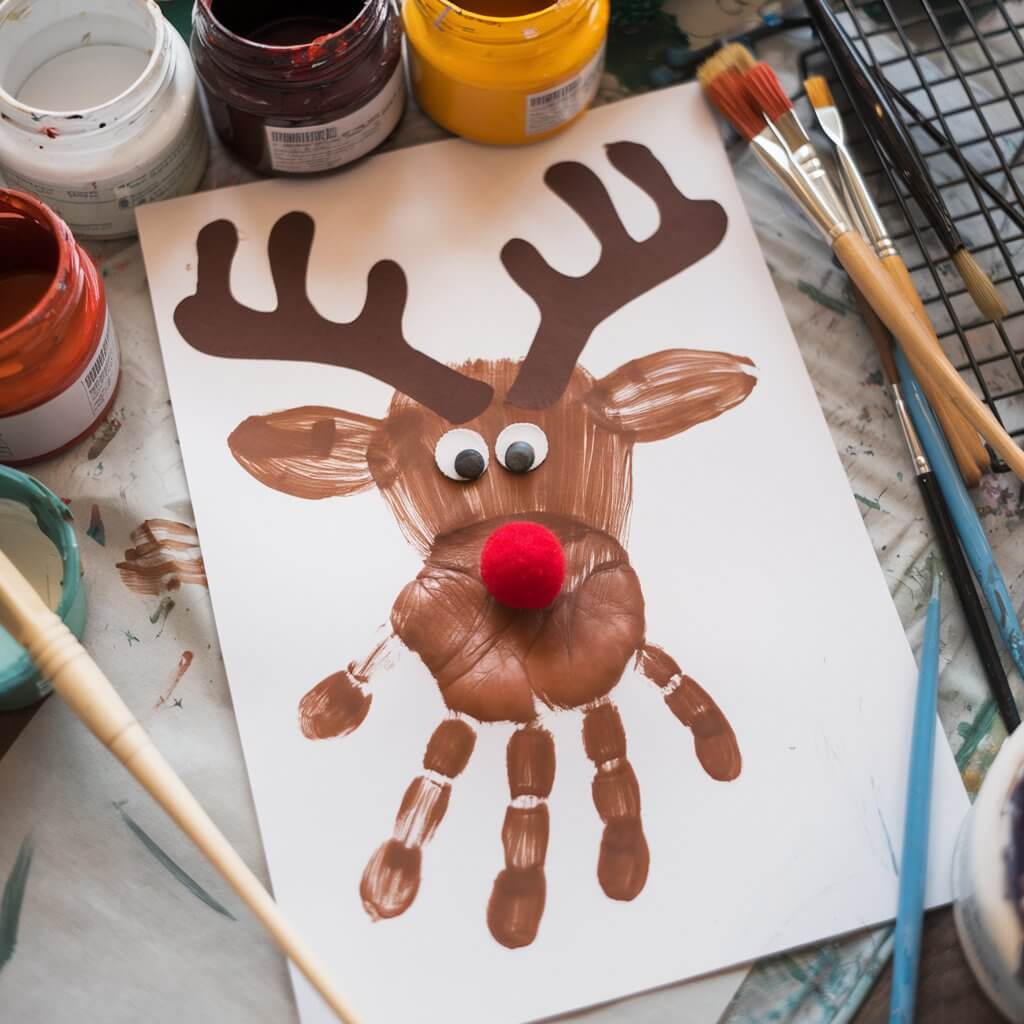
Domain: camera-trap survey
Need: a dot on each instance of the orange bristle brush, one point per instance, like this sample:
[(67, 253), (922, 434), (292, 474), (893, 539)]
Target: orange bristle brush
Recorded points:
[(730, 93)]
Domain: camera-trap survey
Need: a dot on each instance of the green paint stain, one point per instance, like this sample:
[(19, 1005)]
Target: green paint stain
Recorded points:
[(822, 299), (899, 475), (870, 502), (975, 732), (10, 904), (131, 638), (177, 872)]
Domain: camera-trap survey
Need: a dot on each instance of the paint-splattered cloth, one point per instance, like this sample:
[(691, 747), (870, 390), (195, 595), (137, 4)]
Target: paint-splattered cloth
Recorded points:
[(106, 913)]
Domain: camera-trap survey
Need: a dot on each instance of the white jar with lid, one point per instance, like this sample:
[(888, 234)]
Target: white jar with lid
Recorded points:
[(99, 110)]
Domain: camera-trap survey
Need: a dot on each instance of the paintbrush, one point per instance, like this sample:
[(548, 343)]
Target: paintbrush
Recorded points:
[(969, 529), (906, 948), (971, 455), (77, 678), (943, 526), (881, 119), (728, 93)]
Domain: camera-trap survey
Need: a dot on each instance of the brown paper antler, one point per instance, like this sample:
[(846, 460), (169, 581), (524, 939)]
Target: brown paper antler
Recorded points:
[(213, 322), (572, 307)]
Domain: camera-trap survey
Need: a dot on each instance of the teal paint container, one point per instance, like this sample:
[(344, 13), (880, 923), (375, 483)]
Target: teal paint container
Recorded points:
[(32, 518)]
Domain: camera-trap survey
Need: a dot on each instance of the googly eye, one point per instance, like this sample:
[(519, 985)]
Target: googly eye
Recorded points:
[(461, 454), (521, 447)]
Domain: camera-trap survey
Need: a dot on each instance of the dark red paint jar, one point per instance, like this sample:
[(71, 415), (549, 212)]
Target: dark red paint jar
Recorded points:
[(303, 91), (59, 361)]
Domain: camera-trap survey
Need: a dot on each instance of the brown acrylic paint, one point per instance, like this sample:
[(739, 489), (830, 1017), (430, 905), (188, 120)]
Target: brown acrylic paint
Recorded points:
[(303, 91), (493, 663), (59, 361)]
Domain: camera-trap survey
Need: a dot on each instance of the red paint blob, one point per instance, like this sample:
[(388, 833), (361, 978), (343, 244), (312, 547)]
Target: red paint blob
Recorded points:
[(522, 565)]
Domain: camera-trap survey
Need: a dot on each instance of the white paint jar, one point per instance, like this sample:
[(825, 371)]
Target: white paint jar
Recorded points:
[(99, 110), (988, 881)]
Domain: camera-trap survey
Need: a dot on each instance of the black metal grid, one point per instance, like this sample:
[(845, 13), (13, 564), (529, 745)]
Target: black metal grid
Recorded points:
[(957, 70)]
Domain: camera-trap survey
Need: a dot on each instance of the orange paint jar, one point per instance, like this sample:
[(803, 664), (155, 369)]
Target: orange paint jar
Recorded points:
[(505, 71), (59, 360)]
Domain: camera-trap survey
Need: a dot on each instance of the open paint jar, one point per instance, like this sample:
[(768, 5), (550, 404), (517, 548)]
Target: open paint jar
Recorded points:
[(59, 361), (505, 71), (36, 535), (302, 88), (988, 881), (99, 109)]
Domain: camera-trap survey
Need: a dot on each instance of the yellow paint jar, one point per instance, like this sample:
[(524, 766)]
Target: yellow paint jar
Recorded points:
[(505, 71)]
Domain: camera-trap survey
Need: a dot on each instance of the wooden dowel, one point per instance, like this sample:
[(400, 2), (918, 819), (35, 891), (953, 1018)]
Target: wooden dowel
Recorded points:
[(897, 314), (971, 455), (77, 678)]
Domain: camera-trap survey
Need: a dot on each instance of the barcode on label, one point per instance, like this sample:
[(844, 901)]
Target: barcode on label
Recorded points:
[(96, 379), (293, 138), (555, 94)]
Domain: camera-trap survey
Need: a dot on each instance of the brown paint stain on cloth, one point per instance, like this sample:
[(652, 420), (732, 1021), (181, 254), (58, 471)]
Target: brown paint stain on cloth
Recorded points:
[(184, 664), (166, 555)]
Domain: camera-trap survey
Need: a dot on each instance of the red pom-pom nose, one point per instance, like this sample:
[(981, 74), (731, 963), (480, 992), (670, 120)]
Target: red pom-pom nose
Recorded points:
[(522, 565)]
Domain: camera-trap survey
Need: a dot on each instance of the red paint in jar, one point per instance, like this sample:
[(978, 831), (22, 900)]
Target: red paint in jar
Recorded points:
[(59, 361), (303, 92)]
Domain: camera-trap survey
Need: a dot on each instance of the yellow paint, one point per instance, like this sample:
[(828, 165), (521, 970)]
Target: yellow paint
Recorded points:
[(474, 73)]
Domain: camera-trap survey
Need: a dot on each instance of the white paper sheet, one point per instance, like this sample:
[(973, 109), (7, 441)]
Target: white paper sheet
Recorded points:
[(802, 845)]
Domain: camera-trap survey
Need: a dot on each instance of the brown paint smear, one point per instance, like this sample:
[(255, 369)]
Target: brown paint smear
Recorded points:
[(338, 704), (624, 858), (184, 664), (493, 664), (166, 555), (392, 877), (713, 739), (517, 898)]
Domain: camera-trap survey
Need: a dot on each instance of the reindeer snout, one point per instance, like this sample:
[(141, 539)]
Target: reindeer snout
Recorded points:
[(522, 565)]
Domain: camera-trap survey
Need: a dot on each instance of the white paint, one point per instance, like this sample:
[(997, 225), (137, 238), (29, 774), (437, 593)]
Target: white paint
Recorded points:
[(35, 556), (99, 109), (83, 78)]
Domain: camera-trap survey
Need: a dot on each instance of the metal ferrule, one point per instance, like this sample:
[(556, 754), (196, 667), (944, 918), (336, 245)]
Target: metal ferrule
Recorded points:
[(876, 232), (806, 157), (921, 464), (816, 203)]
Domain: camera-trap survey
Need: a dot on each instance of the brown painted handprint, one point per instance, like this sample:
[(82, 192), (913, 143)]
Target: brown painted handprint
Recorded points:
[(464, 451)]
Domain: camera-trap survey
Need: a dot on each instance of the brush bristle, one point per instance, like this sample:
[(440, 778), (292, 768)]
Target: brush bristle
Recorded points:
[(766, 91), (978, 283), (733, 57), (818, 92), (728, 92)]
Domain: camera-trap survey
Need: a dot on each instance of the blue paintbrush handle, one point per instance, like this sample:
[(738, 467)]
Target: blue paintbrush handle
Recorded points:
[(914, 861), (965, 516)]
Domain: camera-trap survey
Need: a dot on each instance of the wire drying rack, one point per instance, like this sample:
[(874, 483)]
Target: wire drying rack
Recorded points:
[(956, 70)]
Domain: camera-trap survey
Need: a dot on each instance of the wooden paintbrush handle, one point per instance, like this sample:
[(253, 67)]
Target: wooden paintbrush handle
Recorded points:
[(971, 455), (78, 679), (898, 315)]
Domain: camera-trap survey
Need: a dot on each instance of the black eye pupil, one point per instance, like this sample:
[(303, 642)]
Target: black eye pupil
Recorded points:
[(519, 456), (469, 464)]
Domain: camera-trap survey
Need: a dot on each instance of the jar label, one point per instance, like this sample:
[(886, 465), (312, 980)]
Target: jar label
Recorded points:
[(321, 147), (105, 207), (550, 109), (47, 427)]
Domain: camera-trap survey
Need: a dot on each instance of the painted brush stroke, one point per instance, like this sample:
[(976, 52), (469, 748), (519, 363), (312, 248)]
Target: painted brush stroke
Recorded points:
[(166, 555), (13, 897), (184, 664), (492, 663), (171, 866)]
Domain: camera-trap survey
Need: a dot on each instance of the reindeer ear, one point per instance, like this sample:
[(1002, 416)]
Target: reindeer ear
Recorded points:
[(310, 452), (668, 392)]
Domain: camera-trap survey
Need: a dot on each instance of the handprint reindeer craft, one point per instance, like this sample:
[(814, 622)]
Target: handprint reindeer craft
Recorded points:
[(466, 452)]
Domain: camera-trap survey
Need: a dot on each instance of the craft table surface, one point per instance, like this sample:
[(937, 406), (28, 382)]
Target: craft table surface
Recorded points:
[(121, 920)]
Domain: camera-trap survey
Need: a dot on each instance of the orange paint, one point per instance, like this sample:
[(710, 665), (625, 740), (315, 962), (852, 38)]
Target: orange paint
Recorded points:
[(58, 356)]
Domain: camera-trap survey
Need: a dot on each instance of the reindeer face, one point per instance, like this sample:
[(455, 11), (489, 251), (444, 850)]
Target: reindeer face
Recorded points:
[(491, 662)]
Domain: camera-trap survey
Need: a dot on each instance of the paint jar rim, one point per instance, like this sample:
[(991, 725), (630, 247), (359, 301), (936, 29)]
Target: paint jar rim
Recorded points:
[(509, 34), (20, 680), (129, 102), (30, 208), (329, 54)]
